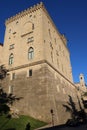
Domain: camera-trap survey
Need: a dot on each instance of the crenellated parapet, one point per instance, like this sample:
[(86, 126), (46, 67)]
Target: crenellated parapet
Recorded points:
[(33, 9), (24, 13)]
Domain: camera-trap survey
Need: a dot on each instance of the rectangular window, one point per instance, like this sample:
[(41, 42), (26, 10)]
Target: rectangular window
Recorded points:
[(12, 76), (30, 73), (10, 89)]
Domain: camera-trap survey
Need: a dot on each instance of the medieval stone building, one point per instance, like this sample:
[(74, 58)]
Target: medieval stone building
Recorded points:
[(38, 60)]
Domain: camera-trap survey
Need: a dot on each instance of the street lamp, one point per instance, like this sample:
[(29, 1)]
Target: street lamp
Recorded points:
[(52, 114)]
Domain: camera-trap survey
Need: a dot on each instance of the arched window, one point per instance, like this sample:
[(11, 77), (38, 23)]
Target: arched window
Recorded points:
[(30, 53), (11, 59)]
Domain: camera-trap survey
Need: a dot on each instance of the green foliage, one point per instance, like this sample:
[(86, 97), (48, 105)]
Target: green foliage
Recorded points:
[(3, 72), (78, 116), (19, 123), (5, 100), (4, 109)]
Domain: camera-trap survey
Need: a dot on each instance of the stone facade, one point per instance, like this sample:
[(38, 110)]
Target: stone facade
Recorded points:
[(46, 89), (35, 29), (38, 60)]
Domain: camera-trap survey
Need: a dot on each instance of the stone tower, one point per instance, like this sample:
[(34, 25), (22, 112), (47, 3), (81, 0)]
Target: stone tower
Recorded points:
[(38, 60), (82, 81), (81, 85)]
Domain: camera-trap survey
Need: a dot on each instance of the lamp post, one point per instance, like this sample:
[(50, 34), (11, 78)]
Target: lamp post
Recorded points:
[(52, 114)]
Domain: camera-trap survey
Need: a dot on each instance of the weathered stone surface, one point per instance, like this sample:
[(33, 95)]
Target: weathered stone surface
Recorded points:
[(50, 81), (42, 92)]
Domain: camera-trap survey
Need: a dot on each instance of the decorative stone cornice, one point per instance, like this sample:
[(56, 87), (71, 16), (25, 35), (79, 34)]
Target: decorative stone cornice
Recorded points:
[(42, 62), (25, 12)]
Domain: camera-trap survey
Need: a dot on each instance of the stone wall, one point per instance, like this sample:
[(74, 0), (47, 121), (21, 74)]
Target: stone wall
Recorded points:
[(55, 45), (46, 89)]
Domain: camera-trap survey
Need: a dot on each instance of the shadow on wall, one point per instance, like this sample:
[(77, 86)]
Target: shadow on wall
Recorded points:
[(78, 117)]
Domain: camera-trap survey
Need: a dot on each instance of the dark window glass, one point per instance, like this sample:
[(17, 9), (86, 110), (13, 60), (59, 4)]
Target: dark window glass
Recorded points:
[(30, 72)]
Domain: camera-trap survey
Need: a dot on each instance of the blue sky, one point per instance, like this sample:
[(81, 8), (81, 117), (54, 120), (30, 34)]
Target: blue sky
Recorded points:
[(70, 18)]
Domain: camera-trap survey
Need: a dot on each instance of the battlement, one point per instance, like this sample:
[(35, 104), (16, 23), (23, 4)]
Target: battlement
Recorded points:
[(25, 12), (32, 9)]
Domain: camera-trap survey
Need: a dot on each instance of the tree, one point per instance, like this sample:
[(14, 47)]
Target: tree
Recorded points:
[(5, 98), (77, 116), (3, 72), (84, 99)]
